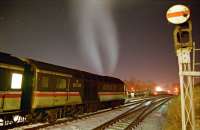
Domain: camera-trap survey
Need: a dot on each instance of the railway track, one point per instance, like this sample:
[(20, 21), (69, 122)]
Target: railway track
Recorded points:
[(131, 118), (26, 126)]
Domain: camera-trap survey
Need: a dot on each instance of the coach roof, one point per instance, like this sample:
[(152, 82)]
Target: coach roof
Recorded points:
[(9, 59)]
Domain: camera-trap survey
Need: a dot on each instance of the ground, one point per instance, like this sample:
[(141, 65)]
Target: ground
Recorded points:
[(154, 121)]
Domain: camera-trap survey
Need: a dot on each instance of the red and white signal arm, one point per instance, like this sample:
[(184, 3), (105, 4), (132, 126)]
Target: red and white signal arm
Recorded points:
[(178, 14)]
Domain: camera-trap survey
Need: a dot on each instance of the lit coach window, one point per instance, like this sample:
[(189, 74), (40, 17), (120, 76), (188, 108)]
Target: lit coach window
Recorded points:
[(16, 81)]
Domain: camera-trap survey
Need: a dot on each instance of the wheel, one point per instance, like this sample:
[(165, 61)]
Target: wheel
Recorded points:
[(29, 118), (52, 116)]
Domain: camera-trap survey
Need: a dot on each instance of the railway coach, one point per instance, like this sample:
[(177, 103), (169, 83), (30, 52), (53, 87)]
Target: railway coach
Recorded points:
[(40, 91)]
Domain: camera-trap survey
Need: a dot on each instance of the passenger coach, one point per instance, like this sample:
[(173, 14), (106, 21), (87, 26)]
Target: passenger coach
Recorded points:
[(40, 91)]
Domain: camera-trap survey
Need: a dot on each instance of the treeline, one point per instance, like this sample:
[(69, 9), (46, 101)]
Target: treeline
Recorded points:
[(139, 85)]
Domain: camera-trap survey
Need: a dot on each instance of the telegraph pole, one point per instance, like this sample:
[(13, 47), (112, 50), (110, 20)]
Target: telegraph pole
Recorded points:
[(180, 16)]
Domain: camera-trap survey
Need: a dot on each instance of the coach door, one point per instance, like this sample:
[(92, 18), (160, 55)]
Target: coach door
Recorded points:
[(67, 89), (26, 98), (2, 84), (1, 104), (91, 95), (1, 101)]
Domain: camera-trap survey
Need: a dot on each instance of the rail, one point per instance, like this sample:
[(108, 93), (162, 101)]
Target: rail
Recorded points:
[(133, 117)]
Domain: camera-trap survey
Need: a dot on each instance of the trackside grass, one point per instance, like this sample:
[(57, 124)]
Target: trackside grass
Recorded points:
[(173, 115)]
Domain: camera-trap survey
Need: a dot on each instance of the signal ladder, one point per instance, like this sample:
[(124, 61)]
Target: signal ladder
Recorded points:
[(196, 67)]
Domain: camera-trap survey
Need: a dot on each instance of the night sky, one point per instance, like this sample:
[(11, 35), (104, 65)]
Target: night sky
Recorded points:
[(48, 30)]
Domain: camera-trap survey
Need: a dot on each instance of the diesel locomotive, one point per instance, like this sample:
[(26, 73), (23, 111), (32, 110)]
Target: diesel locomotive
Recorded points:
[(41, 91)]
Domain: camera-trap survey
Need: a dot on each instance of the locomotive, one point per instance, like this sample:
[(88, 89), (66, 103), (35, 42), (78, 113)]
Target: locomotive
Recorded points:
[(41, 91)]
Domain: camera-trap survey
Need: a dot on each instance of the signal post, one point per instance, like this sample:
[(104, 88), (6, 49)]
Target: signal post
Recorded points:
[(180, 16)]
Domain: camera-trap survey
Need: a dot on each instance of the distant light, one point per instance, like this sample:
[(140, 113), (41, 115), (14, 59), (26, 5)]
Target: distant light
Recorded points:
[(132, 94), (155, 93), (158, 89), (175, 89), (16, 81)]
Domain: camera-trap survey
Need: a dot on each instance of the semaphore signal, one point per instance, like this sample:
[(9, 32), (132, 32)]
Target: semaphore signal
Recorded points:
[(183, 43)]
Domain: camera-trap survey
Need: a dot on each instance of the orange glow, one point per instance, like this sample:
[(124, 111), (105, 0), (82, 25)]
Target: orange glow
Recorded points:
[(175, 89)]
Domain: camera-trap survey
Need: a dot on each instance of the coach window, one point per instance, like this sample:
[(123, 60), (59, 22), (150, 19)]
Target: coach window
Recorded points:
[(61, 83), (44, 82), (16, 82)]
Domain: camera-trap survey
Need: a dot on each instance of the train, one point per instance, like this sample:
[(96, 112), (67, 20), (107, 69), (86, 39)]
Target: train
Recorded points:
[(39, 91)]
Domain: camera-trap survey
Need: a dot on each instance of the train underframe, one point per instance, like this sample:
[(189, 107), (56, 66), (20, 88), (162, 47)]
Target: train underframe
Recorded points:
[(52, 114)]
